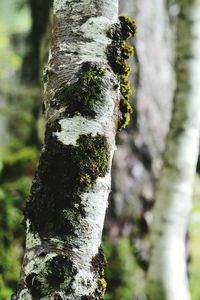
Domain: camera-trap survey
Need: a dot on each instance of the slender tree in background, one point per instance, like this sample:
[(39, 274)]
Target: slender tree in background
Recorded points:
[(33, 60), (31, 64), (65, 211), (167, 277), (137, 161)]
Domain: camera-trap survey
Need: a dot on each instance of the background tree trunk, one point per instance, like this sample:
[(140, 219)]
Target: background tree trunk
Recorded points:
[(33, 61), (167, 278), (137, 161)]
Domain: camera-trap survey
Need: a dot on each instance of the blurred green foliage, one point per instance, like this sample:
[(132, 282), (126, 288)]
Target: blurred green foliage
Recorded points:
[(12, 23), (120, 270), (17, 158), (124, 277), (17, 169)]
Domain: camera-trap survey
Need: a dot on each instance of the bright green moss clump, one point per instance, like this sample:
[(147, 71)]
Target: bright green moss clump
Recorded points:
[(97, 265), (103, 285), (118, 52)]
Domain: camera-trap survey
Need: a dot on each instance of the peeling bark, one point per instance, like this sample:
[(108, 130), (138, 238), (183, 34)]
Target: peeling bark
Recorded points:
[(167, 278), (66, 208)]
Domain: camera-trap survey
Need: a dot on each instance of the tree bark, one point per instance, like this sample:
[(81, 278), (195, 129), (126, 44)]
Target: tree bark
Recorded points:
[(167, 277), (65, 211)]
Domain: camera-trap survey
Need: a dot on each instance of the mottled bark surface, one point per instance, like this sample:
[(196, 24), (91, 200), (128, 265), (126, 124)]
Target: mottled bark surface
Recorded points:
[(167, 278), (66, 208)]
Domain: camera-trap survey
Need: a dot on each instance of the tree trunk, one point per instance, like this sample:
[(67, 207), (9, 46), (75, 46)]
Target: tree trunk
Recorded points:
[(65, 211), (32, 62), (4, 126), (167, 278), (137, 161)]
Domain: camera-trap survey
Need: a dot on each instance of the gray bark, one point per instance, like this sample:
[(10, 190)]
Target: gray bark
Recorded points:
[(167, 277), (66, 209)]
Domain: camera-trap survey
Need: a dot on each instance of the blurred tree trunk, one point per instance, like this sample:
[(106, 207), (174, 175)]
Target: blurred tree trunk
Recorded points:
[(33, 62), (137, 161), (4, 126), (167, 277), (65, 211)]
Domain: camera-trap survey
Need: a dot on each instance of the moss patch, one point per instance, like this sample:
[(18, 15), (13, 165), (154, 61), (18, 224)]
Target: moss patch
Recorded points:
[(118, 51), (85, 95), (98, 263), (64, 172)]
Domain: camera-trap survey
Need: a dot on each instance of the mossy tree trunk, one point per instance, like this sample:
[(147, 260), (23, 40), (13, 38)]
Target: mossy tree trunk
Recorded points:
[(66, 208), (167, 277)]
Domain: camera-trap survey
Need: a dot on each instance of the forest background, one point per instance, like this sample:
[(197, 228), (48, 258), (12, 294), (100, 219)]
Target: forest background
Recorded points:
[(24, 37)]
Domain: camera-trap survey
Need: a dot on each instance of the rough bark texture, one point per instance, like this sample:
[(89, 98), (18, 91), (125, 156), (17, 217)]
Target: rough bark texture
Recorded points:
[(167, 276), (137, 162), (65, 211)]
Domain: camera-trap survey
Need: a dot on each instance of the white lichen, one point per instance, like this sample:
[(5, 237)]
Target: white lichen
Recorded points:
[(80, 284), (32, 239), (96, 28), (72, 128), (58, 5)]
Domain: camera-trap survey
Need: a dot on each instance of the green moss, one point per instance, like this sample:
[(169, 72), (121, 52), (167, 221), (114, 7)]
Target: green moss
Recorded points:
[(103, 285), (85, 95), (128, 27), (127, 50), (86, 179), (63, 173), (126, 110), (125, 87), (94, 156), (98, 263), (118, 51)]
